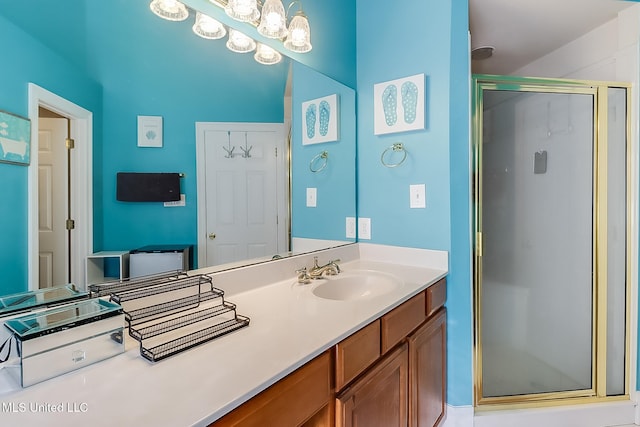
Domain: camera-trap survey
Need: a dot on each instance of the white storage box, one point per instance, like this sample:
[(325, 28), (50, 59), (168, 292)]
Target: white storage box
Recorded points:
[(62, 339), (150, 260)]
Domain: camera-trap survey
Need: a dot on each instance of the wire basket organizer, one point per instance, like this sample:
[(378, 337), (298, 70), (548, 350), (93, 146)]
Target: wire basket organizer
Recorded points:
[(126, 285), (165, 313)]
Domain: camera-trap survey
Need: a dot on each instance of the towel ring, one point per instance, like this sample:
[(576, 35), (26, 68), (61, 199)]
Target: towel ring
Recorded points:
[(396, 147), (318, 160)]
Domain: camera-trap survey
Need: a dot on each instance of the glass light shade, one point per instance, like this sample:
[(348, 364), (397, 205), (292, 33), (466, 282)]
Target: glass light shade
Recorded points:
[(267, 55), (208, 28), (239, 42), (171, 10), (299, 38), (243, 10), (273, 23)]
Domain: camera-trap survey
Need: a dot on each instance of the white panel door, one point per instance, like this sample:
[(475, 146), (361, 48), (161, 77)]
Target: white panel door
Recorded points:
[(52, 202), (241, 180)]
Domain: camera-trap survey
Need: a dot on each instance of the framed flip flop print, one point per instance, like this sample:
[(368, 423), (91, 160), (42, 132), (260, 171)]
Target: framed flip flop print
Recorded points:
[(399, 105), (320, 120)]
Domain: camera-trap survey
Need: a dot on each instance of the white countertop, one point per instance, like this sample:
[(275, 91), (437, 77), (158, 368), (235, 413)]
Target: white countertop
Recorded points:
[(289, 326)]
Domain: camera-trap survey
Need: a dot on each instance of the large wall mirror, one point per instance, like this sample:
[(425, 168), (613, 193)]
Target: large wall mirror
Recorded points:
[(147, 66)]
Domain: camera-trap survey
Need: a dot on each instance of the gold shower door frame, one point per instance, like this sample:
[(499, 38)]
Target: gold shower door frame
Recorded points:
[(599, 91)]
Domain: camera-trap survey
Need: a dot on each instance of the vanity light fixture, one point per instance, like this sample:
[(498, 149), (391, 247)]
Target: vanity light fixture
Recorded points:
[(171, 10), (296, 38), (267, 55), (208, 28), (239, 42), (273, 23), (243, 10), (299, 36)]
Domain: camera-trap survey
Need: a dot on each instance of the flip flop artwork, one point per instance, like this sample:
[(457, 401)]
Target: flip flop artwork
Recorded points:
[(399, 105), (320, 123)]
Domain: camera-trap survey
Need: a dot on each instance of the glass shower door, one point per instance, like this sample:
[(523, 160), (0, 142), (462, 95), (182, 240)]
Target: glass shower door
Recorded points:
[(552, 294), (537, 225)]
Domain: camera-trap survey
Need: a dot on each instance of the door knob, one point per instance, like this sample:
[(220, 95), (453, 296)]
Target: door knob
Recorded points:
[(212, 236)]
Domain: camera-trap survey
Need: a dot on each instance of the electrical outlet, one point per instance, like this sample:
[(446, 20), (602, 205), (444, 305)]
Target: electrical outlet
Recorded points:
[(312, 197), (417, 194), (364, 228), (181, 202), (351, 228)]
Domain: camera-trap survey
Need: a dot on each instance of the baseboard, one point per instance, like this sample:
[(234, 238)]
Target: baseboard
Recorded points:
[(458, 416)]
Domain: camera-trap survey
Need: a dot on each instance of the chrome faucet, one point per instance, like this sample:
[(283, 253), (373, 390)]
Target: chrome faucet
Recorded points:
[(331, 268)]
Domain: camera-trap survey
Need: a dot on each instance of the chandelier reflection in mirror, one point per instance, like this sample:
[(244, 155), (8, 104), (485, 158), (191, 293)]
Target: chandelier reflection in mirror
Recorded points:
[(270, 20)]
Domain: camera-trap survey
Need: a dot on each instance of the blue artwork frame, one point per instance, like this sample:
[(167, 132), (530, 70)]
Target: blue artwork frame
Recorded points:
[(15, 139)]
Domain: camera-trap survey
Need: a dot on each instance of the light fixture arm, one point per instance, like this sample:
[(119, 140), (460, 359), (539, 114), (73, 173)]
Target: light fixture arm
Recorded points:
[(292, 4)]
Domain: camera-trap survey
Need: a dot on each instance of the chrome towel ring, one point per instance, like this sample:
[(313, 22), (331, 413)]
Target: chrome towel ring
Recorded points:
[(319, 162), (395, 148)]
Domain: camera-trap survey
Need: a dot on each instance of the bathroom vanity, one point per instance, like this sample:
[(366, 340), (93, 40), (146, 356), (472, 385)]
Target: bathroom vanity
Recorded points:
[(321, 357), (389, 373)]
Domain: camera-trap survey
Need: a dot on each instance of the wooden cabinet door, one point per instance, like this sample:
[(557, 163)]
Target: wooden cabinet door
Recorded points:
[(427, 367), (379, 398)]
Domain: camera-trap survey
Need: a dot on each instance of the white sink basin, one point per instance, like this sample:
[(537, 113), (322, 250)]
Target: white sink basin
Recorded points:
[(357, 284)]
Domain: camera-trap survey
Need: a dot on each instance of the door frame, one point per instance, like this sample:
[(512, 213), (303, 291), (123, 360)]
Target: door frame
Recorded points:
[(282, 180), (82, 177), (493, 82)]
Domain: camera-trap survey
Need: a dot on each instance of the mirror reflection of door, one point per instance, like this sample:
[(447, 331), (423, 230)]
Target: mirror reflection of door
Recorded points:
[(243, 199), (53, 196)]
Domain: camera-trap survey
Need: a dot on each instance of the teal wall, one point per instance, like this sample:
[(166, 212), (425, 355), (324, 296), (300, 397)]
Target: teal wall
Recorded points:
[(27, 60), (427, 37), (336, 183), (459, 300)]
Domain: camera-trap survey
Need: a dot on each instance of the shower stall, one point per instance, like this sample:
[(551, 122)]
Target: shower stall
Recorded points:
[(551, 240)]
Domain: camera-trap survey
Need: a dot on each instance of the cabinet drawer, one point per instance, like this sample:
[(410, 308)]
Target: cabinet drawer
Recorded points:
[(436, 296), (356, 353), (289, 402), (399, 322)]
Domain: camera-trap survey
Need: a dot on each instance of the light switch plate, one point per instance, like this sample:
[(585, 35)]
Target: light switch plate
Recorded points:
[(364, 228), (312, 197), (417, 194), (351, 228)]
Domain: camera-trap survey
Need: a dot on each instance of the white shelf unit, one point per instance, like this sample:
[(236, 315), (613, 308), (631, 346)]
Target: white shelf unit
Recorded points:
[(95, 271)]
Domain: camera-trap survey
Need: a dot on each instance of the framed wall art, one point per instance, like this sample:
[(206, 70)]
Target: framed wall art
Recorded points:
[(320, 120), (150, 131), (15, 139), (399, 105)]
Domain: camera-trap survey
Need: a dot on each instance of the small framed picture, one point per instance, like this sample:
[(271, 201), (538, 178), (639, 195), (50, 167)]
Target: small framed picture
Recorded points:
[(150, 131), (15, 139), (320, 119), (399, 105)]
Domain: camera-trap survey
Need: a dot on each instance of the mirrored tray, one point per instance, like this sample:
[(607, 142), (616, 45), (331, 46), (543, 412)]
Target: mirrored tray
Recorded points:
[(57, 319), (47, 297)]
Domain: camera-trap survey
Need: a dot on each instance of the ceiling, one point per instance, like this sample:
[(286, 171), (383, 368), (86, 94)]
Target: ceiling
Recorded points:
[(524, 30)]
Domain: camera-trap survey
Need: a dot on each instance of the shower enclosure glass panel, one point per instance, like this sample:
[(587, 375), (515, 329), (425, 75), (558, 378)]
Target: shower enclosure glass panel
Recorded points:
[(537, 223), (616, 239)]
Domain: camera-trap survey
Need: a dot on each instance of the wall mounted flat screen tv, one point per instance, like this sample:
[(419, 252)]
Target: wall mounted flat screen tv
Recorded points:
[(147, 187)]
